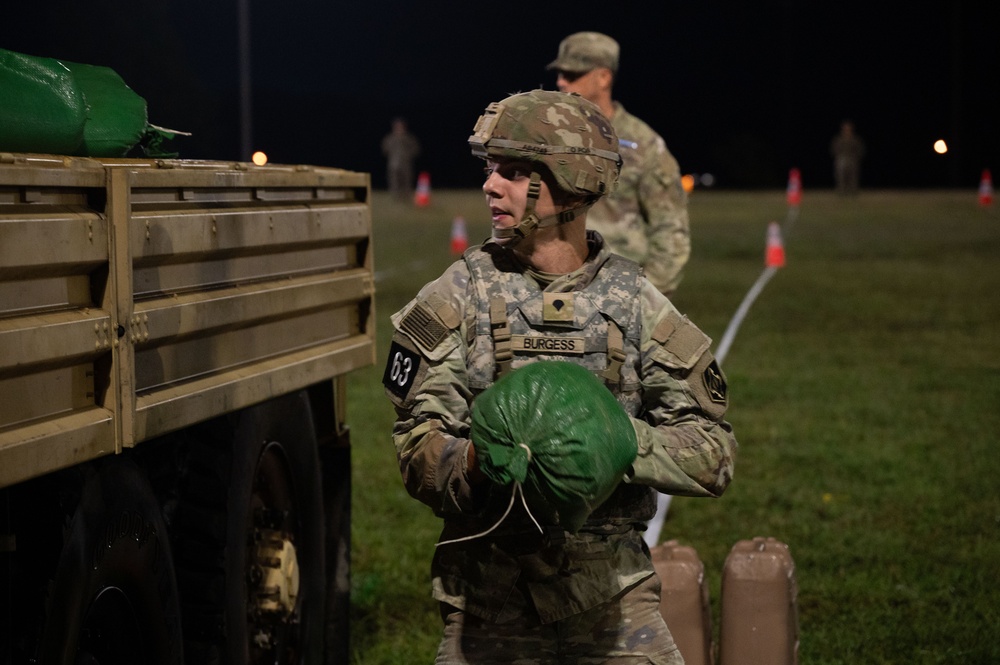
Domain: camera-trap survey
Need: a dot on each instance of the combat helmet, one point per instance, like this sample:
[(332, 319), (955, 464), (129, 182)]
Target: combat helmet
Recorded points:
[(562, 132)]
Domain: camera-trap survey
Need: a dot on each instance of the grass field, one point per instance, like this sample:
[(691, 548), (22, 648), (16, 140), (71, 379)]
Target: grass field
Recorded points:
[(865, 393)]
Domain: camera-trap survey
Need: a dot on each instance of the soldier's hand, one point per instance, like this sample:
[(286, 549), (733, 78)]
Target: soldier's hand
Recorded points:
[(472, 471)]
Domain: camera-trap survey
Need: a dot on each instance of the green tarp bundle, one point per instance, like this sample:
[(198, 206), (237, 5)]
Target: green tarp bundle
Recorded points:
[(577, 440), (66, 108)]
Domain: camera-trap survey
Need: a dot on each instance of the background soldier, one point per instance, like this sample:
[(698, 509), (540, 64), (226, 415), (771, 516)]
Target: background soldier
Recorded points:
[(646, 218), (847, 149), (400, 148), (520, 592)]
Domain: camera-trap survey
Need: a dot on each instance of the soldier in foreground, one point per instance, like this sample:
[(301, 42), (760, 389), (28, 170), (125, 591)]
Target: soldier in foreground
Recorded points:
[(512, 585), (646, 218)]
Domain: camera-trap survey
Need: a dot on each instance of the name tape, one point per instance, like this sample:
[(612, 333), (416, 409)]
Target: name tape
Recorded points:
[(540, 344)]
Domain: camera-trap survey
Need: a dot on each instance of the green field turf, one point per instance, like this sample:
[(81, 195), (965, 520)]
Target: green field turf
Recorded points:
[(864, 391)]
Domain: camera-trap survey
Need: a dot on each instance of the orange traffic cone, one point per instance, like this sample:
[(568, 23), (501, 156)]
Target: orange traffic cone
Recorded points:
[(775, 254), (986, 188), (423, 196), (794, 192), (459, 238), (687, 182)]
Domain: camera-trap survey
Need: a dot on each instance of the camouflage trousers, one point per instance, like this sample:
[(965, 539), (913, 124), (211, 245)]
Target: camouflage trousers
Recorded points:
[(628, 630)]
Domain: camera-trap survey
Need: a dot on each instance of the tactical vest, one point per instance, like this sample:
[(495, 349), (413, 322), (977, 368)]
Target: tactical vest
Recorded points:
[(515, 323), (598, 327)]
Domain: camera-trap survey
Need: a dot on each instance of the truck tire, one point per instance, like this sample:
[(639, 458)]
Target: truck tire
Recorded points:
[(336, 464), (248, 538), (113, 597)]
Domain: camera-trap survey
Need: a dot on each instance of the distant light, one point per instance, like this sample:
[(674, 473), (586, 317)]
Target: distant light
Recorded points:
[(707, 179), (259, 158), (687, 181), (940, 147)]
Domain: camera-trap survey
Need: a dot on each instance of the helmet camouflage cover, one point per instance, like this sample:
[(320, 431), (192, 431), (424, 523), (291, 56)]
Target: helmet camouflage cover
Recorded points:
[(563, 131)]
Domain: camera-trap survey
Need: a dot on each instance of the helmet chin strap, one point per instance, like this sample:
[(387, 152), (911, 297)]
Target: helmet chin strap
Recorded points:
[(531, 222)]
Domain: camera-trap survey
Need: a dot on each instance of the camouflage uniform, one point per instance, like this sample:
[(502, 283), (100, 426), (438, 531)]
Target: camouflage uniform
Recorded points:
[(848, 150), (668, 382), (556, 596), (400, 148), (646, 219)]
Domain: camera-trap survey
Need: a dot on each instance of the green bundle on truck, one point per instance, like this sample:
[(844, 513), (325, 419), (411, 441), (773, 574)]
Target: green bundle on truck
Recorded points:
[(69, 108), (174, 456)]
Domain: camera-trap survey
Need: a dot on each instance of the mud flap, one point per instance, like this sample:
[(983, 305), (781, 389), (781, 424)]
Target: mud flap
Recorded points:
[(759, 622), (684, 600)]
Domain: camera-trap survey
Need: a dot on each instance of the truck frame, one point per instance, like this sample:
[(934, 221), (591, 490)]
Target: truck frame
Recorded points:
[(175, 337)]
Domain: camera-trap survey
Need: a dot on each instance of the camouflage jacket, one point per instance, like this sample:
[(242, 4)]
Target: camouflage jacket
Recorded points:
[(400, 149), (443, 354), (646, 218)]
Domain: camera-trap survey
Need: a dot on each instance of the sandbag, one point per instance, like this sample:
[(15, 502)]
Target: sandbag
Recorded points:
[(577, 440)]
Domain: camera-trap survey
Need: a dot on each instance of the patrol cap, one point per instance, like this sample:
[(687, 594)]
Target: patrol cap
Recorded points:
[(584, 51)]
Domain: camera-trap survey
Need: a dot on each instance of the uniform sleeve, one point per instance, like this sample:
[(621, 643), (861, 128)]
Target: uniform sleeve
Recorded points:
[(663, 202), (685, 445), (425, 378)]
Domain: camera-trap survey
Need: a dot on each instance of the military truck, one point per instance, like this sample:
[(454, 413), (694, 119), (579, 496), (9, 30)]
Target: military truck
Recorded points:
[(174, 453)]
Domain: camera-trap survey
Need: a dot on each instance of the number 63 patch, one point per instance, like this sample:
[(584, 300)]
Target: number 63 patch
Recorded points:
[(403, 367)]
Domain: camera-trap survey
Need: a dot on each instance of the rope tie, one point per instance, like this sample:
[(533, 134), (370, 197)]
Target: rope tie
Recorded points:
[(514, 493)]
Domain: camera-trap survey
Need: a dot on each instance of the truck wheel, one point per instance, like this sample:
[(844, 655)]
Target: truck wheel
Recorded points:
[(336, 464), (248, 538), (113, 599)]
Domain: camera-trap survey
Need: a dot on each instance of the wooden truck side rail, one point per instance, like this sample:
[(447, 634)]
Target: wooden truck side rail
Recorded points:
[(138, 297)]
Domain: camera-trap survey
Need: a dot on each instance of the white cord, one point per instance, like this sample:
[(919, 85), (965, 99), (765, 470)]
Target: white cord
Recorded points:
[(517, 490)]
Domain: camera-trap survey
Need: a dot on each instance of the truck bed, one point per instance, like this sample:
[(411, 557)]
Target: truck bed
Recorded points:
[(138, 297)]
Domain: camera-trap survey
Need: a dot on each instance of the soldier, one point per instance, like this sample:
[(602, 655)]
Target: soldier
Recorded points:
[(510, 593), (646, 218), (400, 148), (847, 149)]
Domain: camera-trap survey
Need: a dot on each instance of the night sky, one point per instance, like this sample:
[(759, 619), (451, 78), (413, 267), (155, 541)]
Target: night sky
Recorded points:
[(744, 90)]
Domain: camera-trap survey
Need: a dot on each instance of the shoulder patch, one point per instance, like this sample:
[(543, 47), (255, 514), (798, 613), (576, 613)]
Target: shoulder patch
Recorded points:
[(687, 341), (665, 328), (715, 383), (429, 321), (708, 386), (402, 369), (681, 342)]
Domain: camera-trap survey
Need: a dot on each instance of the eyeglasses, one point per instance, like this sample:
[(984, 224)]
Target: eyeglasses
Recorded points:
[(569, 77)]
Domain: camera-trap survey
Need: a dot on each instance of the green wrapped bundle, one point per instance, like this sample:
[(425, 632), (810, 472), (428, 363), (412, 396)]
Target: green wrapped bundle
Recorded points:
[(66, 108), (116, 115), (554, 428), (41, 107)]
